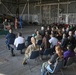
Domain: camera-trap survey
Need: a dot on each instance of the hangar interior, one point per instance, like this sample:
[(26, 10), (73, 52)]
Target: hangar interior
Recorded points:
[(44, 12), (41, 11)]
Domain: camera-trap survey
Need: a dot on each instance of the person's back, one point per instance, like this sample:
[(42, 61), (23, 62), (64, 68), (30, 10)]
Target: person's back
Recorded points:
[(19, 40), (64, 41), (10, 37), (45, 43), (38, 36), (53, 41), (69, 53), (42, 31), (19, 44), (71, 38), (29, 49)]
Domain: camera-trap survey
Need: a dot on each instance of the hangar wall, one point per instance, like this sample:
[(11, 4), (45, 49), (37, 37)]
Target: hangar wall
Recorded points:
[(45, 14)]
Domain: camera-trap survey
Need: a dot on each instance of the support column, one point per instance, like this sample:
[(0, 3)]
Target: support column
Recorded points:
[(28, 10), (49, 14), (40, 13), (67, 8), (58, 10), (17, 10)]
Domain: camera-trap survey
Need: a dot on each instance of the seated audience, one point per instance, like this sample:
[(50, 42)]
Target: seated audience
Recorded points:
[(38, 37), (59, 35), (48, 30), (18, 40), (69, 53), (45, 43), (71, 39), (42, 31), (30, 48), (35, 32), (53, 42), (58, 55), (64, 42)]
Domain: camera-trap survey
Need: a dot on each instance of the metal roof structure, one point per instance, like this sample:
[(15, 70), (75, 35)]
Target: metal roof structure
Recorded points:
[(35, 1)]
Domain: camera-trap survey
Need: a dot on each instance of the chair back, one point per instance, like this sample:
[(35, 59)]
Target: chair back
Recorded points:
[(58, 65), (34, 54), (47, 52), (70, 61), (28, 41), (29, 38), (39, 42), (21, 46)]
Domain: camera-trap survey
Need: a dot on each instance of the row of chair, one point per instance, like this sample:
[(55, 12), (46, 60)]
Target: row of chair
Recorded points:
[(59, 65)]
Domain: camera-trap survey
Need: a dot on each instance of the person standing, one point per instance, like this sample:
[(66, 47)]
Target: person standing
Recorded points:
[(5, 24), (16, 23), (21, 22)]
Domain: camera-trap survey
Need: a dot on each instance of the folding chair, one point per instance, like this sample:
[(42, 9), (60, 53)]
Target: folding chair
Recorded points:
[(34, 55), (47, 52), (55, 68), (28, 41), (70, 61), (21, 47), (39, 42)]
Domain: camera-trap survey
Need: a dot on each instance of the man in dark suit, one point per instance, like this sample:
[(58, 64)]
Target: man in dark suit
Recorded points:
[(10, 39)]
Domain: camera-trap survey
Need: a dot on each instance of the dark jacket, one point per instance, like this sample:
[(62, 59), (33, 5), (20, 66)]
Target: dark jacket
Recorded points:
[(10, 38), (64, 42)]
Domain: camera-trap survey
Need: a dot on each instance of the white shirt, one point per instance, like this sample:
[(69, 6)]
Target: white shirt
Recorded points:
[(53, 41), (19, 40)]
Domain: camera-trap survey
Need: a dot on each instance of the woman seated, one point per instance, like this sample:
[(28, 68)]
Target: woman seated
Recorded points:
[(30, 48), (51, 62)]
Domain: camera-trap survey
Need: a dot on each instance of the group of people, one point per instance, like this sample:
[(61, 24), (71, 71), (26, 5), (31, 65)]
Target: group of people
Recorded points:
[(60, 40), (13, 41), (6, 25), (17, 23)]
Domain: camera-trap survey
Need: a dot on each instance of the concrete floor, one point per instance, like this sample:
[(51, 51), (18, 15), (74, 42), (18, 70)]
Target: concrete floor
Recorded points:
[(13, 65)]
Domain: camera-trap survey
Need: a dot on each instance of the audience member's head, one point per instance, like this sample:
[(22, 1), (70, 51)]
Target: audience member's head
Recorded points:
[(33, 40), (19, 34), (46, 33), (5, 20), (38, 33), (35, 30), (10, 31), (52, 35), (70, 47), (42, 28), (70, 33), (59, 50)]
